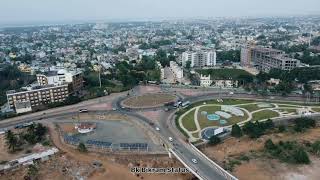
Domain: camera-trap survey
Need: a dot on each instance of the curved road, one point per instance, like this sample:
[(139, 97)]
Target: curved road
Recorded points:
[(204, 169)]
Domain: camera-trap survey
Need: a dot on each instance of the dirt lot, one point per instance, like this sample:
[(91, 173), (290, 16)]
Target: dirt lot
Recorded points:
[(148, 100), (69, 163), (260, 167), (5, 155)]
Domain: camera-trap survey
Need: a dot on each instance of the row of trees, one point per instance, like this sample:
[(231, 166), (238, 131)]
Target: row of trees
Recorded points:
[(35, 133), (289, 151), (128, 73), (257, 129), (252, 129), (231, 55), (288, 78), (12, 78)]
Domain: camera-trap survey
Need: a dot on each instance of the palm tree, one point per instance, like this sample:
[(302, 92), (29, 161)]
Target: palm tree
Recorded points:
[(11, 141)]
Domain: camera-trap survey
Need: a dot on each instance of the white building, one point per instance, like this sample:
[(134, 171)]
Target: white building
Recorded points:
[(199, 58), (224, 83), (177, 70), (205, 81), (159, 66), (61, 77)]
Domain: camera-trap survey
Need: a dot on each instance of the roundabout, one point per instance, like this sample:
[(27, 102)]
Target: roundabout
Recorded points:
[(148, 100)]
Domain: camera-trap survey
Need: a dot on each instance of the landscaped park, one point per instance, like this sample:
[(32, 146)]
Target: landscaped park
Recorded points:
[(201, 119)]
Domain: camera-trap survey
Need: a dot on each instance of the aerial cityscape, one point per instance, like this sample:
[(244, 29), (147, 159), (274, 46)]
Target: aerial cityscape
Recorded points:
[(156, 90)]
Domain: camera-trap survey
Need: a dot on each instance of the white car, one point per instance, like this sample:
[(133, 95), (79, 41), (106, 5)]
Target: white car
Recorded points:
[(194, 161), (114, 109), (231, 93), (170, 139), (158, 129)]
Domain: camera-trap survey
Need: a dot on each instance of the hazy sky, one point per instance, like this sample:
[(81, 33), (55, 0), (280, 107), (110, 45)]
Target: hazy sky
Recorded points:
[(13, 11)]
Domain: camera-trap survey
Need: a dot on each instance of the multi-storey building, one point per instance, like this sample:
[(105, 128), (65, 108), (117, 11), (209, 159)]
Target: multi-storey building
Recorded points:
[(265, 59), (38, 95), (51, 87), (199, 58), (62, 77), (246, 57)]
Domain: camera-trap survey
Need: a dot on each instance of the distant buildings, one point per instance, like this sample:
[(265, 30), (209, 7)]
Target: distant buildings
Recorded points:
[(199, 58), (265, 59)]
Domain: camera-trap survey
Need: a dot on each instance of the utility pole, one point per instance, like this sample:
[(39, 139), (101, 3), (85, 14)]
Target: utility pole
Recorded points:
[(310, 36), (100, 73)]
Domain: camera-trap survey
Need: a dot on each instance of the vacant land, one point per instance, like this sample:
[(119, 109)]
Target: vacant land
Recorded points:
[(71, 164), (148, 100), (246, 155)]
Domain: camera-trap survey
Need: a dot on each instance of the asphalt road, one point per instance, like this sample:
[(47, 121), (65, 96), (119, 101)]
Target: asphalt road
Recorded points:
[(204, 168)]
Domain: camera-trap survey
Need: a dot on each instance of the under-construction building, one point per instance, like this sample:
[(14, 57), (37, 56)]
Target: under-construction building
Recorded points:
[(265, 59)]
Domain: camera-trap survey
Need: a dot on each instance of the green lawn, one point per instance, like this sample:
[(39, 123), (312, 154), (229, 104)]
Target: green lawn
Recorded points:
[(236, 119), (288, 110), (316, 109), (288, 106), (196, 135), (188, 121), (265, 114), (203, 121), (251, 107), (228, 102)]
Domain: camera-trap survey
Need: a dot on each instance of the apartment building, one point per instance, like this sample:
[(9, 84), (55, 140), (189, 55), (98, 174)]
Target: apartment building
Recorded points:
[(265, 59), (75, 78), (199, 58), (51, 87), (36, 96)]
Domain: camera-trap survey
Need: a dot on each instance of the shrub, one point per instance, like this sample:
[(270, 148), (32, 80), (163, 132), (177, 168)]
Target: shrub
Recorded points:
[(236, 131), (301, 124), (214, 140), (282, 128), (269, 145), (82, 147), (257, 129), (301, 156), (315, 148)]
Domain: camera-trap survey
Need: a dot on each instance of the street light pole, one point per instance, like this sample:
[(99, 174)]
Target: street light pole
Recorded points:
[(100, 72)]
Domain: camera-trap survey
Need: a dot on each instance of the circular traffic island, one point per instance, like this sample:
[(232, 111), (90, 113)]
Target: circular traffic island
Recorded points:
[(148, 100)]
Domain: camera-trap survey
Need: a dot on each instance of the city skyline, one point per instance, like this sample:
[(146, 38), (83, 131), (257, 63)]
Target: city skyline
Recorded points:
[(36, 11)]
